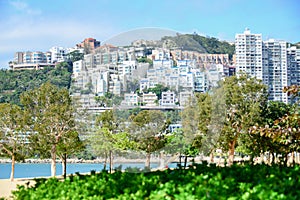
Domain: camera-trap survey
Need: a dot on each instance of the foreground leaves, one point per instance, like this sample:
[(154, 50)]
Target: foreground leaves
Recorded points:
[(199, 182)]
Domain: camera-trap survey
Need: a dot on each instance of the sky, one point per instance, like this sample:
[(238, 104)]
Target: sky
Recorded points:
[(38, 25)]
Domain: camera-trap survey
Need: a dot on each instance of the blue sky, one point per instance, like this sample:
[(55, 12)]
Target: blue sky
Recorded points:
[(40, 24)]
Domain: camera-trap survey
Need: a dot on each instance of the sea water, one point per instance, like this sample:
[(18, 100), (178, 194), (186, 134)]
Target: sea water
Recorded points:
[(33, 170)]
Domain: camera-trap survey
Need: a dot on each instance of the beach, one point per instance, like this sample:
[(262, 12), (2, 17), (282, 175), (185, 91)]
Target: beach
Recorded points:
[(7, 186)]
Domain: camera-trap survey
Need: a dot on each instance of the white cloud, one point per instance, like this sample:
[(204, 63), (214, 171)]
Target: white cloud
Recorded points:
[(24, 7)]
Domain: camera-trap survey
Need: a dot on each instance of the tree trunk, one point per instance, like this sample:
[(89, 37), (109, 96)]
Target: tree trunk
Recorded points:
[(185, 161), (13, 161), (273, 158), (286, 159), (105, 161), (293, 159), (161, 160), (64, 165), (53, 160), (211, 156), (147, 164), (231, 152), (269, 158), (262, 158), (180, 159), (110, 161)]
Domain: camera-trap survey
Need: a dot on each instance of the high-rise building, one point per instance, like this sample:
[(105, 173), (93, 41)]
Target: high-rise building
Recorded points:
[(275, 66), (248, 49), (270, 61), (293, 56)]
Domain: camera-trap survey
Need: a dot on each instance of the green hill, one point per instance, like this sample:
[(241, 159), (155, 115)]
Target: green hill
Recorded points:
[(14, 83), (194, 42)]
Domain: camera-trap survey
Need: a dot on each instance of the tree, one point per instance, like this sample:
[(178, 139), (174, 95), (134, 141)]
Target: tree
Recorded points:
[(68, 145), (75, 56), (272, 111), (148, 129), (145, 60), (50, 115), (190, 125), (13, 138), (109, 100), (158, 89), (108, 137), (284, 131), (103, 137), (244, 97)]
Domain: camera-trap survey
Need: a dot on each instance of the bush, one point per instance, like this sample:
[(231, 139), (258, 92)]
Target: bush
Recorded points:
[(197, 182)]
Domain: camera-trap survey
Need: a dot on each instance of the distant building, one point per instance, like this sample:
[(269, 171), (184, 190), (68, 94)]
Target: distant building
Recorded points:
[(275, 71), (30, 66), (248, 49), (168, 99), (130, 99), (89, 45), (174, 127), (58, 54), (77, 68), (270, 61), (150, 99), (293, 56), (201, 81), (184, 97)]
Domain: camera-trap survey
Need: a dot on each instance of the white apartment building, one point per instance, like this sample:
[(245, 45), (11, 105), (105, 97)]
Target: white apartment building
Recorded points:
[(293, 55), (162, 64), (77, 68), (184, 97), (127, 67), (276, 69), (144, 84), (130, 99), (270, 61), (168, 98), (150, 99), (58, 54), (248, 49), (201, 81)]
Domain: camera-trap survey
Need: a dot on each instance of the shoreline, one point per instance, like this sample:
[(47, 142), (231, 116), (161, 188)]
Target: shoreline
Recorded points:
[(96, 161)]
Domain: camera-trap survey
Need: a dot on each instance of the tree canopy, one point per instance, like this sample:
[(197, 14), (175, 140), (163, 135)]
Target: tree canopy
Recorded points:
[(50, 114), (14, 83)]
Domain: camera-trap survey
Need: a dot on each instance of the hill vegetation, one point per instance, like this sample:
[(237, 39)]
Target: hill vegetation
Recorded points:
[(195, 42), (13, 83)]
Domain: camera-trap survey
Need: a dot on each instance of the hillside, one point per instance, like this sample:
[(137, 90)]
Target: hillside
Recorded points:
[(194, 42), (14, 83)]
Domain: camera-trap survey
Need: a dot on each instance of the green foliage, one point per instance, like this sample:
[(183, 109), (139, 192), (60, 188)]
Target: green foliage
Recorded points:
[(243, 99), (194, 42), (12, 134), (50, 118), (280, 131), (14, 83), (13, 137), (173, 116), (158, 89), (108, 100), (148, 129), (145, 60), (199, 182), (75, 56)]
